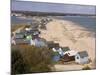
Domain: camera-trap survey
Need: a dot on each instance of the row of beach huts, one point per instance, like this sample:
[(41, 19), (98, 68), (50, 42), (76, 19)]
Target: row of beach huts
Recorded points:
[(30, 36)]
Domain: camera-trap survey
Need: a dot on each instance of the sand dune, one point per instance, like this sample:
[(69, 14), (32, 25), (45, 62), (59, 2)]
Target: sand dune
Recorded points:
[(67, 33)]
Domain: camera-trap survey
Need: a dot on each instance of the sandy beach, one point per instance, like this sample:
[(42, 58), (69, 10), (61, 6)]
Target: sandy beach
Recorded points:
[(67, 33)]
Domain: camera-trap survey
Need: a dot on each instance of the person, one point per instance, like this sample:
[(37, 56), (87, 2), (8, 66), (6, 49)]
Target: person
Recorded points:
[(13, 40)]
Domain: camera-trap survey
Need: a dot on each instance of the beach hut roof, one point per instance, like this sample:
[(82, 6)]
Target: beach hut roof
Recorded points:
[(19, 35), (34, 29), (40, 39), (50, 42), (21, 41), (34, 26), (33, 32), (83, 54), (23, 32), (71, 53), (56, 44), (65, 48)]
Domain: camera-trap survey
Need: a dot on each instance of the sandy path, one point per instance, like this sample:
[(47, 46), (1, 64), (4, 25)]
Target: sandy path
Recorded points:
[(68, 67)]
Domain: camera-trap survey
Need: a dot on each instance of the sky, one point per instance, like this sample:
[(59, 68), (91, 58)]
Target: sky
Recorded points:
[(85, 2), (47, 7)]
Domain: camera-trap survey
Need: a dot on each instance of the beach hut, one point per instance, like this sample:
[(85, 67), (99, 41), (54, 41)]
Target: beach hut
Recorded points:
[(56, 56), (39, 42), (57, 48), (81, 57), (35, 36), (50, 44), (19, 35), (64, 49), (34, 32), (69, 56), (29, 37), (22, 42)]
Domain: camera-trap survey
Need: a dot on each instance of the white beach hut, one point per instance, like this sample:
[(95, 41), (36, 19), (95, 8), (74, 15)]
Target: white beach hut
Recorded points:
[(81, 57), (38, 42)]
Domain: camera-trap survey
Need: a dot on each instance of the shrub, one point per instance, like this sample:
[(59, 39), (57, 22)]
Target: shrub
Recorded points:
[(86, 68), (31, 59), (18, 66)]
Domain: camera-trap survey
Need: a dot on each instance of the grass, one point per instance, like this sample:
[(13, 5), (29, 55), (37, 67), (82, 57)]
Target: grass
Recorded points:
[(15, 27)]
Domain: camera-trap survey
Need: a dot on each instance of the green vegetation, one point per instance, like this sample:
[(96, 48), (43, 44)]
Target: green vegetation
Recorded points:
[(55, 53), (15, 27), (86, 68), (65, 49), (29, 59)]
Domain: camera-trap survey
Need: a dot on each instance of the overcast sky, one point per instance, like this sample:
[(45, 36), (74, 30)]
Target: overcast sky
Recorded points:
[(52, 7), (85, 2)]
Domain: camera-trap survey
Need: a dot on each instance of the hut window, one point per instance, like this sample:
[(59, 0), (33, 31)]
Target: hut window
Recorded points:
[(82, 57), (77, 57), (68, 53)]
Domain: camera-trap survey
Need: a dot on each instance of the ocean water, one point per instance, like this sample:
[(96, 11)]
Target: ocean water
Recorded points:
[(17, 20), (85, 21)]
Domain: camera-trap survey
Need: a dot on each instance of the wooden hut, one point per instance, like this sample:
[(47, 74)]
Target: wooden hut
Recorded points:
[(69, 56)]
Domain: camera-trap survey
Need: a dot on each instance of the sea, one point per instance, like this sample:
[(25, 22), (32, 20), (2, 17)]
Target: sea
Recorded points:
[(89, 22)]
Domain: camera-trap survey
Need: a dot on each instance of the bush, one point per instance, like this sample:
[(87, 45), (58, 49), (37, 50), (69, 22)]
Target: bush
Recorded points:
[(86, 68), (29, 59), (18, 66)]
